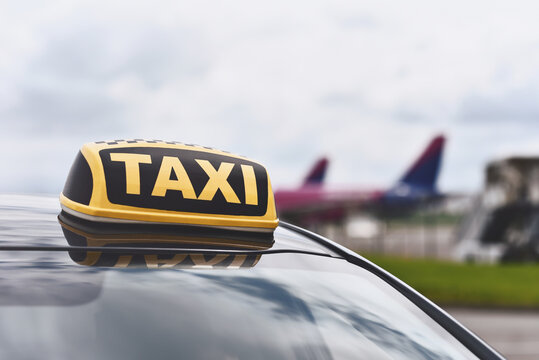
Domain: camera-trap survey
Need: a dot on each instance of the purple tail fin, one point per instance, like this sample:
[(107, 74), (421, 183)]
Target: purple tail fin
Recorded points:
[(317, 173), (424, 172)]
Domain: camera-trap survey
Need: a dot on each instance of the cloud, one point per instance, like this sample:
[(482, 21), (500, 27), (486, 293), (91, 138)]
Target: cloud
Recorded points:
[(336, 99), (515, 105), (42, 111), (281, 82), (68, 83)]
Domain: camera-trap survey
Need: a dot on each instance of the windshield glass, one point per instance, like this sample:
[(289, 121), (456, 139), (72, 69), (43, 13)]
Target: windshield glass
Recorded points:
[(288, 306)]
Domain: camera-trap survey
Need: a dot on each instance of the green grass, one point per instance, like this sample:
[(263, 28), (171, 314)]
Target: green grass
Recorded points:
[(458, 284)]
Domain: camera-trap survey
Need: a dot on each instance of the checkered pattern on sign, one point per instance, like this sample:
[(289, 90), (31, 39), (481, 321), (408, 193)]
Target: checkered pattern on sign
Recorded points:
[(142, 141)]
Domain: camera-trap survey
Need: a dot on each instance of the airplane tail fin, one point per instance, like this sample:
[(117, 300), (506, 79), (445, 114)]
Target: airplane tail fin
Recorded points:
[(423, 174), (317, 173)]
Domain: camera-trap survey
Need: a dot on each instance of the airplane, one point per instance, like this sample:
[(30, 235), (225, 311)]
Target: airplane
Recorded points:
[(312, 202)]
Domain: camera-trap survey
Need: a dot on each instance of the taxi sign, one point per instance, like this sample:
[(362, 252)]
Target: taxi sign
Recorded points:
[(168, 182)]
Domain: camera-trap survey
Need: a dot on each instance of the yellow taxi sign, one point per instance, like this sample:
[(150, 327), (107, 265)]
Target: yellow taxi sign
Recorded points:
[(168, 182)]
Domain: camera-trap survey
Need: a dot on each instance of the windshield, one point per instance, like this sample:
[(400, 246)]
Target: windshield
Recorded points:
[(288, 306)]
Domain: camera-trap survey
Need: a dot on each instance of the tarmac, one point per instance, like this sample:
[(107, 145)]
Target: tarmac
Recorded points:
[(514, 333)]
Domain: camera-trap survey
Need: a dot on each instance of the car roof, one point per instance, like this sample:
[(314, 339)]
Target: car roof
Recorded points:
[(31, 221)]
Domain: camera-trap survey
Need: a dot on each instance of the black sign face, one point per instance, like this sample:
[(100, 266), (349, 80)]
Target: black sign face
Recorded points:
[(184, 181)]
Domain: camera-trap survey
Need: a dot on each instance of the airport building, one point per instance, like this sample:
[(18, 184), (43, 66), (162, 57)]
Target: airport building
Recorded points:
[(504, 223)]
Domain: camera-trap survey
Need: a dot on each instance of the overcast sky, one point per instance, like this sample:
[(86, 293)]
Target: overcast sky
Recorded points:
[(282, 82)]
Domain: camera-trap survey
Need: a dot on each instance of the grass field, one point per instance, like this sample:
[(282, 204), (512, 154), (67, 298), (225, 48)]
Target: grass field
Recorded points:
[(457, 284)]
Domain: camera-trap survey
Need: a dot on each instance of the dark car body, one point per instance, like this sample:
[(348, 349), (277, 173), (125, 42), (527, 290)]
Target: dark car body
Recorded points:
[(304, 298)]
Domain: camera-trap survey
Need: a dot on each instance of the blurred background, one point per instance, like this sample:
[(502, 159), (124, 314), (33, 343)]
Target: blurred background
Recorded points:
[(407, 132)]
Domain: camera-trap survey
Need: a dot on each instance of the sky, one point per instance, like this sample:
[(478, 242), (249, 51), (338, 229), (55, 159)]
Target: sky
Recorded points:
[(282, 82)]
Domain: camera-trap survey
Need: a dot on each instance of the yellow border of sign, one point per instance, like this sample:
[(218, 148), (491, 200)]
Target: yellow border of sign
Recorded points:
[(100, 206)]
